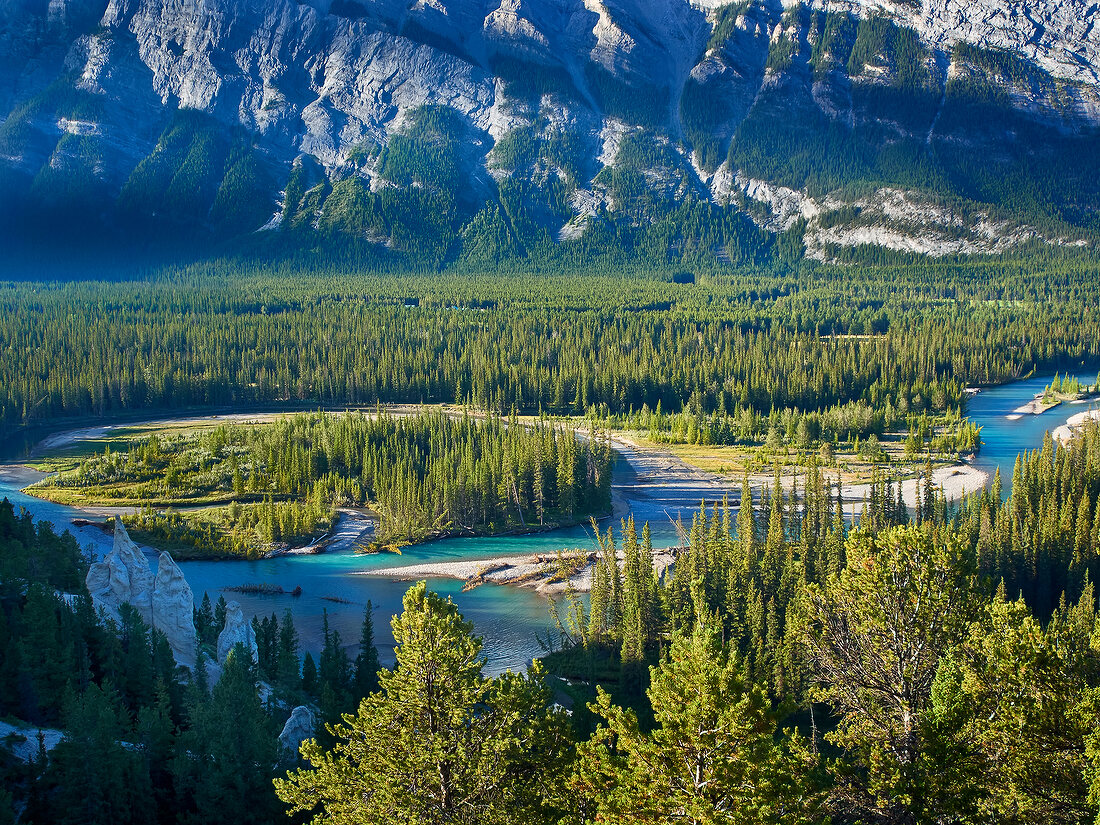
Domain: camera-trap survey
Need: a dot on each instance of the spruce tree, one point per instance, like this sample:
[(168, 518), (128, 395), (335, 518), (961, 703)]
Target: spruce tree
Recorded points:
[(226, 757), (366, 663), (439, 743)]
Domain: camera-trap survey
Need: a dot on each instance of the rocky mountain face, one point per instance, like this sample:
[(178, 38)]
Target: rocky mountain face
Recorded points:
[(479, 130)]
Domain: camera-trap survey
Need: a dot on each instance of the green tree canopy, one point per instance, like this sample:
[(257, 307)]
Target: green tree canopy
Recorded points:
[(876, 633), (1031, 717), (713, 758), (439, 742)]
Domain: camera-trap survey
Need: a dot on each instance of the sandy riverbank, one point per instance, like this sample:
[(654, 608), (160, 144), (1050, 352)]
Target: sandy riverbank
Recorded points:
[(955, 481), (651, 483), (1033, 407), (541, 572), (353, 529), (535, 571), (1074, 425), (69, 437)]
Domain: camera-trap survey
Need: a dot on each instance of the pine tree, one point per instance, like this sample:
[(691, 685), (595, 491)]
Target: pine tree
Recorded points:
[(746, 526), (1011, 674), (45, 664), (97, 779), (155, 739), (219, 617), (875, 636), (600, 594), (439, 743), (713, 756), (634, 605), (205, 622), (334, 674), (366, 663), (288, 676), (310, 682)]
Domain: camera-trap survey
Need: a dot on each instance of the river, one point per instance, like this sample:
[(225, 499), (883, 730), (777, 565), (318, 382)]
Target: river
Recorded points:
[(1003, 438), (509, 619)]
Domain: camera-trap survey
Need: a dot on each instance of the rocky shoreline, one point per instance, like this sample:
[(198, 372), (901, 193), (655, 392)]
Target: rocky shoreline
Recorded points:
[(1074, 425), (549, 574)]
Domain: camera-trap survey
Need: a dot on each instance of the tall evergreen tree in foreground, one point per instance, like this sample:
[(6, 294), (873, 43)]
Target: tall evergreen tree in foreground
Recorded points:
[(876, 634), (713, 758), (440, 742), (1027, 698)]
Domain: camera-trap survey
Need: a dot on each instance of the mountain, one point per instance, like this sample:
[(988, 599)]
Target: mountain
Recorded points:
[(483, 130)]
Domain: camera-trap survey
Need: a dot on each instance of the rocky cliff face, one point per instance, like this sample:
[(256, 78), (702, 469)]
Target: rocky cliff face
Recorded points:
[(1055, 35), (164, 601), (225, 116)]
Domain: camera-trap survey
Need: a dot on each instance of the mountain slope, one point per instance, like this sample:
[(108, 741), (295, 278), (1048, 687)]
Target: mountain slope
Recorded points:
[(480, 131)]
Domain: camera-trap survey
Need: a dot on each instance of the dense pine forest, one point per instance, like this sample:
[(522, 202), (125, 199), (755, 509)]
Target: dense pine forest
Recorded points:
[(790, 666), (807, 338), (294, 281), (425, 475), (146, 741)]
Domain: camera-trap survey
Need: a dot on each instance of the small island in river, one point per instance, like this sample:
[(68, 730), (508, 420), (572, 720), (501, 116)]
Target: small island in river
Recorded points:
[(285, 484), (1060, 390)]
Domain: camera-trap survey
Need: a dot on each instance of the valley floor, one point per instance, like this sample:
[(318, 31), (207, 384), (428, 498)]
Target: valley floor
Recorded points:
[(655, 485), (651, 482)]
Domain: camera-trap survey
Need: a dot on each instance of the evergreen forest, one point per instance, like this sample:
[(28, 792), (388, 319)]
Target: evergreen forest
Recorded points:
[(790, 668), (532, 291), (426, 475), (237, 333)]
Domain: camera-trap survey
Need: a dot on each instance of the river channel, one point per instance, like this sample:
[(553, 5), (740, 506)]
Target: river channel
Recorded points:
[(510, 620)]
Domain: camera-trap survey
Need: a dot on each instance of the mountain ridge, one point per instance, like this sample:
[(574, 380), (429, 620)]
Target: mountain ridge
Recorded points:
[(948, 128)]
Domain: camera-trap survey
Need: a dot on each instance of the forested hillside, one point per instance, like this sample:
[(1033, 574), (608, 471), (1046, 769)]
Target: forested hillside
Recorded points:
[(434, 259), (146, 741)]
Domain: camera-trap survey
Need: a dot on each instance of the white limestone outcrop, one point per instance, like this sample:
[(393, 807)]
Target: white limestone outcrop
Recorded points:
[(164, 600), (174, 609), (237, 630), (298, 728)]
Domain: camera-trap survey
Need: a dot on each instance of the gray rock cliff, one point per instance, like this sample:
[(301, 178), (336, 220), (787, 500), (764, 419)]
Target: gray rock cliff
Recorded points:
[(164, 601)]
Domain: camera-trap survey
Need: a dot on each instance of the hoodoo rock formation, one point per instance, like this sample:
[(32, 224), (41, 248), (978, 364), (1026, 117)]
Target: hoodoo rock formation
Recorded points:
[(298, 728), (237, 630), (164, 600)]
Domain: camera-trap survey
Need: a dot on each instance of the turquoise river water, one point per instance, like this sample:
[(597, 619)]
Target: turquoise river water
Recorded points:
[(509, 619)]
